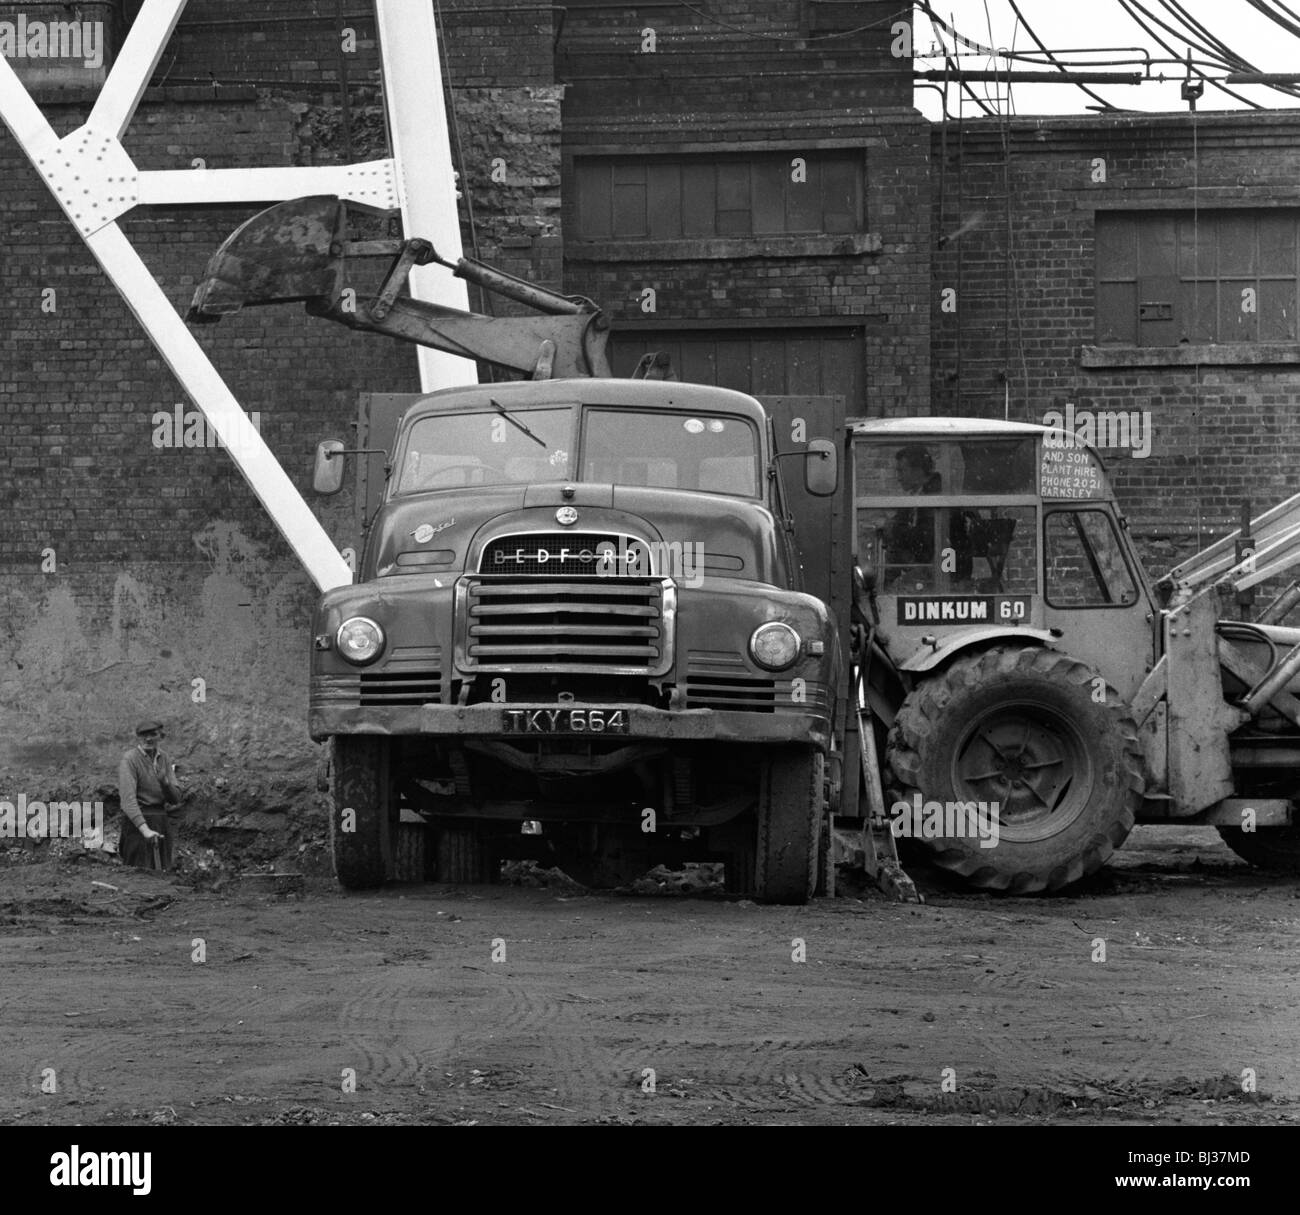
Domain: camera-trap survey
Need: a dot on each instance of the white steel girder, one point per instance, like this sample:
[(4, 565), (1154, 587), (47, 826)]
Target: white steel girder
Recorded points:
[(95, 181), (422, 149)]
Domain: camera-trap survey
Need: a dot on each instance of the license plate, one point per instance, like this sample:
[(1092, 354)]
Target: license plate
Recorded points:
[(964, 609), (564, 721)]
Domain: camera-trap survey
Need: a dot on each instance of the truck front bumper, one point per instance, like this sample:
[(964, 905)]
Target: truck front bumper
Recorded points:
[(644, 724)]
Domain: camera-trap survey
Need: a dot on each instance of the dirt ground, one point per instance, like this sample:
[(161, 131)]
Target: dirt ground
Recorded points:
[(535, 1005)]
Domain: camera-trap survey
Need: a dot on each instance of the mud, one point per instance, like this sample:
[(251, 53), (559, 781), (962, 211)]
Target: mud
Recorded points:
[(537, 1003)]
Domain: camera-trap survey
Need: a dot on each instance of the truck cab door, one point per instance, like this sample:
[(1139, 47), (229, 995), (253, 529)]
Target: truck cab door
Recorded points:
[(820, 524), (377, 416)]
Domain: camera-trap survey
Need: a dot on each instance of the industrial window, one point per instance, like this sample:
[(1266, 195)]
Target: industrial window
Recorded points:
[(689, 197), (1178, 277)]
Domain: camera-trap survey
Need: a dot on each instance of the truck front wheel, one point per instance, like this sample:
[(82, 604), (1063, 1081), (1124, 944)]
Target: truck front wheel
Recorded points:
[(1045, 751), (363, 824), (791, 803)]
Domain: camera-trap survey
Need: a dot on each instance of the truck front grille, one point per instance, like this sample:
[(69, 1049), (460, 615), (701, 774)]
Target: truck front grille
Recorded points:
[(616, 626), (555, 554)]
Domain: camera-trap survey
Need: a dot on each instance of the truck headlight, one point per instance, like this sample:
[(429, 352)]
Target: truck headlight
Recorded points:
[(360, 640), (774, 646)]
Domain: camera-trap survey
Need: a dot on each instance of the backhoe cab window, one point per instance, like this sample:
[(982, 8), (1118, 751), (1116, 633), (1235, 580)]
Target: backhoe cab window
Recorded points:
[(451, 451), (925, 525), (976, 467), (1085, 564), (919, 550), (711, 453)]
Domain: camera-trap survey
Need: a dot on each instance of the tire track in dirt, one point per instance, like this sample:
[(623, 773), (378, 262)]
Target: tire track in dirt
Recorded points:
[(773, 1075), (529, 1011), (85, 1065), (547, 1036), (386, 1025)]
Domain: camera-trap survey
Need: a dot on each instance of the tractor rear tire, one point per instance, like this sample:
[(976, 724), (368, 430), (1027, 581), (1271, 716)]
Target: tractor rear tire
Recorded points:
[(365, 801), (791, 805), (1023, 731), (1272, 849)]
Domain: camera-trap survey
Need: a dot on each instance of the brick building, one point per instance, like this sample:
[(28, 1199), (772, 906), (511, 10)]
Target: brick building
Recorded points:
[(762, 173), (1140, 265)]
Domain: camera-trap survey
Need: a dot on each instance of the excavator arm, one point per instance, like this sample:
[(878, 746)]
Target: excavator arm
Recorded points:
[(300, 251)]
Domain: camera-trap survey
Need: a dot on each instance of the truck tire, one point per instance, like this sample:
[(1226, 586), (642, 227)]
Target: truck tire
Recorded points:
[(1273, 849), (790, 806), (1020, 729), (363, 857)]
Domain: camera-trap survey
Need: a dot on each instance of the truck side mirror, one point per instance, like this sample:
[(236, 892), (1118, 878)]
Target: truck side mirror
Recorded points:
[(327, 474), (821, 471)]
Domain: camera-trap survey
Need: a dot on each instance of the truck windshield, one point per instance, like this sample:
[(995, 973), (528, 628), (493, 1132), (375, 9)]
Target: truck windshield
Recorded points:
[(711, 453), (453, 450)]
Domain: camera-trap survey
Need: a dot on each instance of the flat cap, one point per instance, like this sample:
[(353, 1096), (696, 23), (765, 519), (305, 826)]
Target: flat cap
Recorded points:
[(148, 727)]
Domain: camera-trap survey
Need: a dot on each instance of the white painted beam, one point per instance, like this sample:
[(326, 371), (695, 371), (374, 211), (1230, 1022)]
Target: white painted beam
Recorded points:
[(134, 65), (373, 183), (417, 128), (182, 353), (95, 182), (201, 380)]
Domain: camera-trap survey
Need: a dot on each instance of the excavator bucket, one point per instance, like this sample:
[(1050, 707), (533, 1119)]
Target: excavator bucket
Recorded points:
[(291, 251), (300, 251)]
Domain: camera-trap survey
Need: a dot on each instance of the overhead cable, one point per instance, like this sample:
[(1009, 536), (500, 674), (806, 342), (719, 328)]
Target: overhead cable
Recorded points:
[(1237, 61), (1039, 43), (1124, 4), (974, 96), (1289, 26)]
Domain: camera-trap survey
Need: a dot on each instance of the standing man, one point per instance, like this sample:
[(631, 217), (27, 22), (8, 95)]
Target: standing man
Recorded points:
[(911, 540), (145, 784), (911, 533)]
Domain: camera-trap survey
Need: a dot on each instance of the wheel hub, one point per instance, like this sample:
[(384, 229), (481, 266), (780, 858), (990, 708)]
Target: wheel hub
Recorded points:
[(1030, 763)]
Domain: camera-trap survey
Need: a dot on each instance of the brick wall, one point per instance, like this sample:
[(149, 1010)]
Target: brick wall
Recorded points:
[(772, 77), (161, 567), (300, 46), (731, 56), (1016, 203)]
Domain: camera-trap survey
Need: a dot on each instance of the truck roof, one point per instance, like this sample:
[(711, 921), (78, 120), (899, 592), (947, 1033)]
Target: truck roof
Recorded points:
[(590, 391)]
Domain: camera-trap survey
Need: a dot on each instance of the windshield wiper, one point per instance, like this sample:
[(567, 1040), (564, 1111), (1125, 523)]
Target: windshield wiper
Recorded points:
[(516, 423)]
